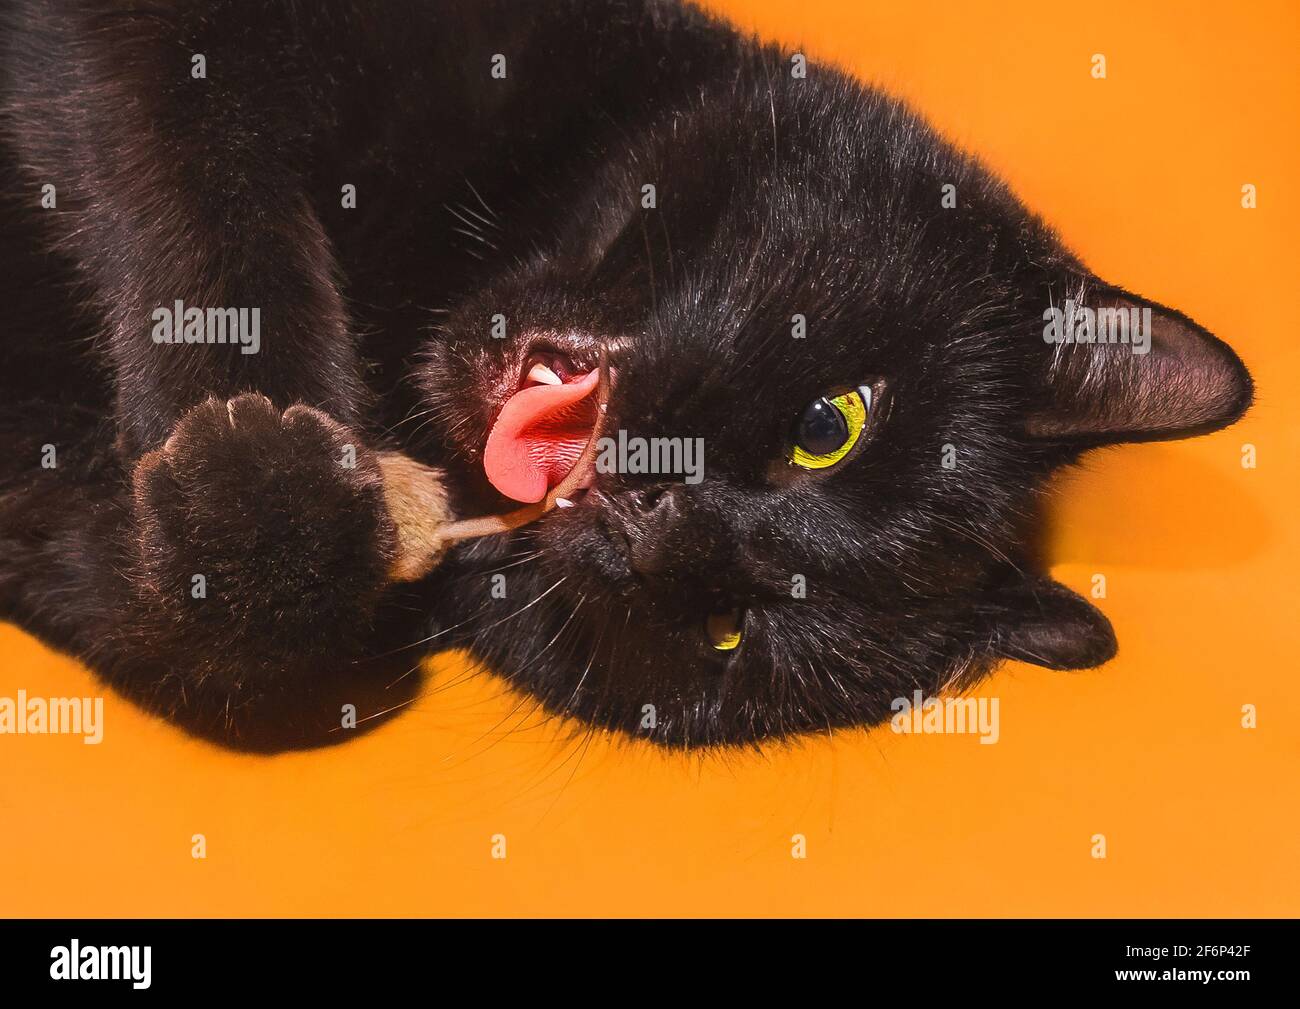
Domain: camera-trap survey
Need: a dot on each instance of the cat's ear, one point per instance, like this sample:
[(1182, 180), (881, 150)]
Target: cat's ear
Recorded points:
[(1041, 621), (1160, 376)]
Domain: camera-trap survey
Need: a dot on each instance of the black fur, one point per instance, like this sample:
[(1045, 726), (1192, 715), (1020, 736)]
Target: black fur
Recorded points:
[(476, 196)]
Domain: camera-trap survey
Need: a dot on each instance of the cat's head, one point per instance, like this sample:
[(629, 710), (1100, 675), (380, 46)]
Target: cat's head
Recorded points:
[(849, 320)]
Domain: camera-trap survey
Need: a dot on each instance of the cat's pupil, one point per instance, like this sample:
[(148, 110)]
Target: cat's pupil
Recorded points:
[(822, 428)]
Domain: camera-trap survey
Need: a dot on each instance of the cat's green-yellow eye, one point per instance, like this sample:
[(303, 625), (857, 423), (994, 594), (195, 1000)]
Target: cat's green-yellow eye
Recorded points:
[(724, 630), (829, 427)]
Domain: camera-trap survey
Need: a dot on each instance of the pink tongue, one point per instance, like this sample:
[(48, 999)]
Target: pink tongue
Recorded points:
[(538, 437)]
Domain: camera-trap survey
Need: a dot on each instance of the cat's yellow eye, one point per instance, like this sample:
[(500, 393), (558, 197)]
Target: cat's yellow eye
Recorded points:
[(829, 427), (724, 630)]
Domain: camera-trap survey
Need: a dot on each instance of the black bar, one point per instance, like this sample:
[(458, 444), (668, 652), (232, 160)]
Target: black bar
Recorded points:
[(430, 959)]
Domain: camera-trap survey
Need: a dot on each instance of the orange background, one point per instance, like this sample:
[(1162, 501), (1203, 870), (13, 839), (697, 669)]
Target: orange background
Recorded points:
[(1141, 173)]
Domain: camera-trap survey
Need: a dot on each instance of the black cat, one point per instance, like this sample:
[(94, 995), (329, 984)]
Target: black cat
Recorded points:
[(441, 210)]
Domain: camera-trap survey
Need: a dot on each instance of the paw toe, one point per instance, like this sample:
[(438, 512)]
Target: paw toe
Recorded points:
[(251, 410)]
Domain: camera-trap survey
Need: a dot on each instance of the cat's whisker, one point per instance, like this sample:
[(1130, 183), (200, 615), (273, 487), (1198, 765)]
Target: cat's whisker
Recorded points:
[(568, 705), (476, 237), (483, 203), (474, 229), (379, 714), (563, 627), (581, 752), (517, 612), (514, 564), (421, 641), (975, 538), (408, 418), (404, 675), (462, 623), (478, 217)]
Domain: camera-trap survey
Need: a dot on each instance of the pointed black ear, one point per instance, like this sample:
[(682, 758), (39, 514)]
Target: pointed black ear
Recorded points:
[(1121, 368), (1043, 622)]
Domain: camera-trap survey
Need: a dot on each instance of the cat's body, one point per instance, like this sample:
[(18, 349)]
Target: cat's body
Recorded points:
[(523, 196)]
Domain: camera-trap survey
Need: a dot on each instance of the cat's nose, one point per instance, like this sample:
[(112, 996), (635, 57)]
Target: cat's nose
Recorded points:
[(652, 521)]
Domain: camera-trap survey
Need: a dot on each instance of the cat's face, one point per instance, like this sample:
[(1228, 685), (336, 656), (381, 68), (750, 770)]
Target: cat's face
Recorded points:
[(859, 406)]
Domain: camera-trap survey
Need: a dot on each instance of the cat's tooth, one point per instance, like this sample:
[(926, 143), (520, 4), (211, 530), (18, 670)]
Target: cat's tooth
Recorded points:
[(543, 374), (563, 502)]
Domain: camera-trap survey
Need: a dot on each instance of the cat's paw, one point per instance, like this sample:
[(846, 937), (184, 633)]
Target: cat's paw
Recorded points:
[(263, 534)]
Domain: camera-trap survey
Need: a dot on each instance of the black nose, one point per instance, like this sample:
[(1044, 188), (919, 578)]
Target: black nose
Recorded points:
[(654, 522)]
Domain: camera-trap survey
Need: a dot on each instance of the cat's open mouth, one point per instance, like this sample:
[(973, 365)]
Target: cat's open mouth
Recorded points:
[(542, 428)]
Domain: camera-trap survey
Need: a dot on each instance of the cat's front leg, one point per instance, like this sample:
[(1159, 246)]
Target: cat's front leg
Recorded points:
[(263, 542)]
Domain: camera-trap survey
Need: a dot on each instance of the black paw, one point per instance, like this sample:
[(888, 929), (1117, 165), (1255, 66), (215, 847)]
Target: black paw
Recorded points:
[(263, 540)]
